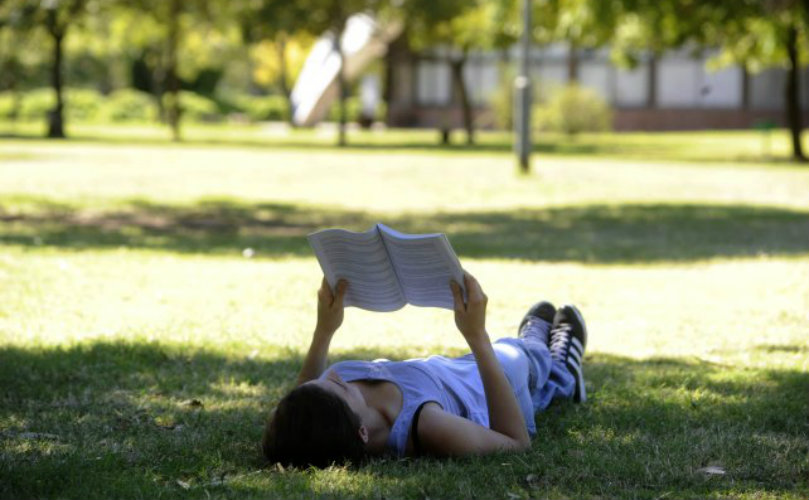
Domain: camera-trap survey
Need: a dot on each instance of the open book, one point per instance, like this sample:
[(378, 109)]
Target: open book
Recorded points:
[(387, 269)]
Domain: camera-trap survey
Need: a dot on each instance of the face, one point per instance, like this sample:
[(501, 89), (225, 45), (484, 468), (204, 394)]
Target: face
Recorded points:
[(342, 389)]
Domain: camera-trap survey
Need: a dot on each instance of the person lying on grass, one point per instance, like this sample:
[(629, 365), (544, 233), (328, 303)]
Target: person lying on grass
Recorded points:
[(480, 403)]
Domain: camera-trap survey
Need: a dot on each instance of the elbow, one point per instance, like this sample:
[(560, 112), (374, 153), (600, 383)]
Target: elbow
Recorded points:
[(522, 444)]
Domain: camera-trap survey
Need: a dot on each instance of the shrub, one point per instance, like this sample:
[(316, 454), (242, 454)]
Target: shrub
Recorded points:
[(80, 104), (37, 103), (354, 110), (263, 108), (7, 104), (129, 105), (83, 104), (573, 109), (502, 100), (198, 108)]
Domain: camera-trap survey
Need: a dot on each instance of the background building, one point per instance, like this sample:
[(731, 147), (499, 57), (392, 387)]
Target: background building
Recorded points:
[(672, 92)]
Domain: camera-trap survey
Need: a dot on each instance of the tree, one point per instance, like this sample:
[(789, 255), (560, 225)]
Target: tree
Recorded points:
[(459, 27), (277, 21), (168, 30), (771, 33), (55, 17), (321, 16), (753, 33)]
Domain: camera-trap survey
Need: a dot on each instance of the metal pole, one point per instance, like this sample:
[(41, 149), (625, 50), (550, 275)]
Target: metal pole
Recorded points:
[(522, 96)]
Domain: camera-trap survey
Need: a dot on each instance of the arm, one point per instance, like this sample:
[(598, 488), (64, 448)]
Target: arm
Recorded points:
[(445, 434), (329, 319)]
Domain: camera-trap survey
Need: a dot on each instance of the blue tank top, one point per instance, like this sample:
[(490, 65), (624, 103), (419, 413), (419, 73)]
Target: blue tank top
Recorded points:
[(453, 383)]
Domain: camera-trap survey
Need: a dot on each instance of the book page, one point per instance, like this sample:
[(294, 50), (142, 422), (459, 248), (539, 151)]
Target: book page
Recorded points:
[(361, 259), (424, 264)]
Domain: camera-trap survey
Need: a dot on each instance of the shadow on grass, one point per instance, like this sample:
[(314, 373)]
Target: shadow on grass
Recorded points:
[(123, 420), (588, 233)]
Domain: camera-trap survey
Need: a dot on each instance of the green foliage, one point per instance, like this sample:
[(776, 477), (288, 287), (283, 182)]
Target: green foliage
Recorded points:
[(502, 100), (80, 104), (354, 110), (84, 104), (124, 105), (198, 108), (36, 104), (8, 104), (129, 105), (571, 110), (263, 108)]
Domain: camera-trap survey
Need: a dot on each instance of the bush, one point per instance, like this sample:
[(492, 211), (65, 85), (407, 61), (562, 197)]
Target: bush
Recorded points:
[(6, 104), (573, 109), (354, 110), (36, 104), (502, 100), (80, 104), (129, 105), (198, 108), (263, 108)]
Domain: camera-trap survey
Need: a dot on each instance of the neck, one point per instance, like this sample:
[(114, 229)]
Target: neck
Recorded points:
[(377, 417), (378, 430)]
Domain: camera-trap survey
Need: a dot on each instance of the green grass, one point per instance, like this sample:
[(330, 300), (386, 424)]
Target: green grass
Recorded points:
[(140, 350)]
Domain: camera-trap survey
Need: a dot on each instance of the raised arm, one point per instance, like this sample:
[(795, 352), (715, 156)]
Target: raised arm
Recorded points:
[(444, 434), (329, 319)]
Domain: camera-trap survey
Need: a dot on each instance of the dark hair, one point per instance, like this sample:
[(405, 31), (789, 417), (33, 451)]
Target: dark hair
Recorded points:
[(311, 426)]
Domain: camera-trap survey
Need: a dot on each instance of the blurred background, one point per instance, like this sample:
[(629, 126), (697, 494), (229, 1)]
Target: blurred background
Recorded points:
[(596, 65)]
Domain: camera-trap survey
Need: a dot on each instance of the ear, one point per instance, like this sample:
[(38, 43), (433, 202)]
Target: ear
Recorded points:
[(363, 432)]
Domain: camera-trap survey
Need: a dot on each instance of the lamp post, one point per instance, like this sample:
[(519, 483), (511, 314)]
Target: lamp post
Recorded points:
[(522, 97)]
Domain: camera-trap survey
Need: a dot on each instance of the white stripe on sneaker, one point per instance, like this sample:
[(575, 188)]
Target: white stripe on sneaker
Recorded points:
[(577, 344), (573, 353)]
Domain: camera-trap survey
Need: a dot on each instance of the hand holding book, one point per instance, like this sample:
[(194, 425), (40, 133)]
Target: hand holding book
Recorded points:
[(388, 269)]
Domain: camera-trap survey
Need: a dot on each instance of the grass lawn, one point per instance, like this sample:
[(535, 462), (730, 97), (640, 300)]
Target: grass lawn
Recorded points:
[(140, 350)]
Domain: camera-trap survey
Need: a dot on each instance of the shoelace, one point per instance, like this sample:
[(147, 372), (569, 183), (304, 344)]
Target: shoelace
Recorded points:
[(560, 341)]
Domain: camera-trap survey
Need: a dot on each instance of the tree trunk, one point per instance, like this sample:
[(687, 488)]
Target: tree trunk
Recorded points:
[(172, 80), (342, 90), (573, 64), (745, 87), (792, 95), (651, 91), (457, 66), (283, 78), (55, 116)]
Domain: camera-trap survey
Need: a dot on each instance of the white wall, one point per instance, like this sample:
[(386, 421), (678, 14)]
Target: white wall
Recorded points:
[(596, 75), (721, 89), (631, 86), (433, 83), (767, 89)]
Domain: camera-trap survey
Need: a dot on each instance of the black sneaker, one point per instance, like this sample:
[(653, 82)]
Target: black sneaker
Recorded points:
[(543, 310), (568, 340)]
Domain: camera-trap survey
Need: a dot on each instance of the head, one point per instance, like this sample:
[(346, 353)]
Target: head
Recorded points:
[(315, 425)]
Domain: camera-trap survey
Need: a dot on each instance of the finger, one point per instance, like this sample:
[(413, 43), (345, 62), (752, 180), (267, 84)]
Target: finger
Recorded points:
[(456, 295), (342, 286), (325, 292), (473, 290)]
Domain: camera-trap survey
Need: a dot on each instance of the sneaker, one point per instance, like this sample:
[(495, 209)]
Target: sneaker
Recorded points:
[(543, 310), (568, 339)]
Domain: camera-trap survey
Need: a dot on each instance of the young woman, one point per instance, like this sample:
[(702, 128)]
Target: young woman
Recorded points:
[(480, 403)]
